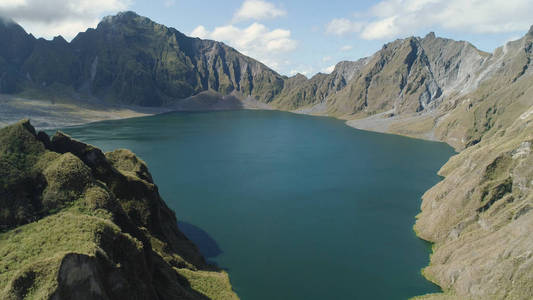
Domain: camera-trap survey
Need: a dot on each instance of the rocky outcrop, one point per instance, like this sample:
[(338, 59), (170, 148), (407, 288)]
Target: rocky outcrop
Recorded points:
[(79, 223)]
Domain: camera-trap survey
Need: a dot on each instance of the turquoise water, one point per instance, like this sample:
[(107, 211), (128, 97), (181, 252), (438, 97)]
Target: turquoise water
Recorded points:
[(294, 207)]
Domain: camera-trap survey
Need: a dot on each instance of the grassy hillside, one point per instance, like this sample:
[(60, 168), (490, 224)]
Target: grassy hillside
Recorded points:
[(80, 223)]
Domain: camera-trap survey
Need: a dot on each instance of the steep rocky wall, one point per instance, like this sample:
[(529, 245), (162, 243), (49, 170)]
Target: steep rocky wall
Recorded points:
[(480, 216), (128, 59)]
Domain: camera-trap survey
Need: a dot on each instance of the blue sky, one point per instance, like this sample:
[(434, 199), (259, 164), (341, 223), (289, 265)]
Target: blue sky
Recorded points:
[(294, 36)]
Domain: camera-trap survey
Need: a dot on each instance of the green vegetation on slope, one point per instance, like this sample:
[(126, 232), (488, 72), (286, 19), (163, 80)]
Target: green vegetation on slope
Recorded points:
[(77, 224)]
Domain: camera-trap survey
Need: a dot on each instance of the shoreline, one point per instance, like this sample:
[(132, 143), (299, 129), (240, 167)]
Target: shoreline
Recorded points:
[(46, 114)]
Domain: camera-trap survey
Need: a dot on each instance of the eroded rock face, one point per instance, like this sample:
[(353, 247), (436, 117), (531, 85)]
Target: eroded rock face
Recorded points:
[(79, 278), (130, 59), (480, 216), (78, 225)]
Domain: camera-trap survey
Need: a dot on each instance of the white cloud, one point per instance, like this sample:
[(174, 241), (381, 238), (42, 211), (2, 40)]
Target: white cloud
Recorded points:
[(258, 10), (326, 58), (66, 28), (329, 69), (58, 17), (346, 48), (256, 41), (394, 18), (512, 38), (306, 71), (169, 3), (11, 4), (343, 26), (382, 29), (200, 32)]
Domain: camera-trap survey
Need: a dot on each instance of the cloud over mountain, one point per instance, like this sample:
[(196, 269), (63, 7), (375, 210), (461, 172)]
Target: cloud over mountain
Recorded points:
[(52, 17), (395, 18), (343, 26), (258, 10), (255, 40)]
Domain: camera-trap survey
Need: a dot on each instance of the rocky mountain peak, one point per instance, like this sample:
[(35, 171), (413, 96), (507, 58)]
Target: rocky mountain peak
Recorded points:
[(4, 21), (9, 25), (59, 39), (127, 19), (348, 69), (430, 35), (299, 76), (123, 16)]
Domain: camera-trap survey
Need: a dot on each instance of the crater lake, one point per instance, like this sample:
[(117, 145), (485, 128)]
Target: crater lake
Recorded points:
[(292, 206)]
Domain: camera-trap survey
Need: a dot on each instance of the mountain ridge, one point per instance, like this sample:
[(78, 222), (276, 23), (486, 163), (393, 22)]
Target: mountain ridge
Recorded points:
[(153, 60), (159, 82)]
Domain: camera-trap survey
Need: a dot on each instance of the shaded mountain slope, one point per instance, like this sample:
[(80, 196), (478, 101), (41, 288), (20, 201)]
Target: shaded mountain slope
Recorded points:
[(130, 59)]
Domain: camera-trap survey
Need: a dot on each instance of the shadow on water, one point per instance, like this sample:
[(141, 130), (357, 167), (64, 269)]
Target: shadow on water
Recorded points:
[(206, 244)]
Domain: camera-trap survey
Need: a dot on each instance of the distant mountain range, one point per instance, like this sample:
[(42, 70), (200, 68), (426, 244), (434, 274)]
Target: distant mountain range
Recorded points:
[(479, 216), (129, 59)]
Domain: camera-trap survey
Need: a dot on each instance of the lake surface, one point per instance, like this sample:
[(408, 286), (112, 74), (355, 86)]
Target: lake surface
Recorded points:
[(293, 206)]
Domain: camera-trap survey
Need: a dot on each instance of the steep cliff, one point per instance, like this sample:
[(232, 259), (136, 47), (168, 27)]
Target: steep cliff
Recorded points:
[(129, 59), (78, 223), (480, 215)]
